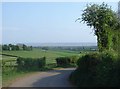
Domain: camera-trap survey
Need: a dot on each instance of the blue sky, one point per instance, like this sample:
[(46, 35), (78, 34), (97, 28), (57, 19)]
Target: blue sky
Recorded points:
[(47, 22)]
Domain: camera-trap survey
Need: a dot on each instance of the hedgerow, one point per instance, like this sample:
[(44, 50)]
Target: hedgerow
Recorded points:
[(30, 63), (97, 69)]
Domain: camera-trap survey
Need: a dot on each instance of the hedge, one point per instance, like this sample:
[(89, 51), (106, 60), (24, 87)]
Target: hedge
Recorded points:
[(66, 61), (62, 61), (30, 63), (97, 70), (74, 59)]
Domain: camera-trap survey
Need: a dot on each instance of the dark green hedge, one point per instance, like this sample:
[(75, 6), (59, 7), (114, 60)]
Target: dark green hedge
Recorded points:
[(31, 63), (97, 70), (74, 59), (67, 61), (62, 61)]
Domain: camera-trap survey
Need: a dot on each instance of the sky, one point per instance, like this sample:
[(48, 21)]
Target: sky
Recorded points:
[(45, 22)]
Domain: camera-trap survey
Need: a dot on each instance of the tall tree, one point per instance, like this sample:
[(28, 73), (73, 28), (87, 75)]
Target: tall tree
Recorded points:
[(103, 20)]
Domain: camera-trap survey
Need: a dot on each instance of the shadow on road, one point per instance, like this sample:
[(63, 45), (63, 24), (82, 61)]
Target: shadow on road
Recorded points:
[(55, 78)]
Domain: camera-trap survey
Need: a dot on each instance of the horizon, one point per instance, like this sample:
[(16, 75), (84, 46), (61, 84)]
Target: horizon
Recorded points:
[(57, 44)]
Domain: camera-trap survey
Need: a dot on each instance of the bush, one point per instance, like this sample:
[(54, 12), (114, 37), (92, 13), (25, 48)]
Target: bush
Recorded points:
[(63, 61), (67, 61), (89, 60), (97, 69), (73, 59), (108, 71), (30, 63), (85, 73)]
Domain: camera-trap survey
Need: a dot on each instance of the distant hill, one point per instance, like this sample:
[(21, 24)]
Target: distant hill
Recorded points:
[(61, 44)]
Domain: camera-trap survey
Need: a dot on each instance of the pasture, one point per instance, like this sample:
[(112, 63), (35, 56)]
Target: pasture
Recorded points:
[(38, 53)]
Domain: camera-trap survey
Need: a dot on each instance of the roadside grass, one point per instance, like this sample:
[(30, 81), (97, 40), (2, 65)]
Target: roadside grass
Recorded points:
[(11, 74)]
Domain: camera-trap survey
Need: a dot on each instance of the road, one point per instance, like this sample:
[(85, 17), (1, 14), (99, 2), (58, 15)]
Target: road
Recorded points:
[(52, 78)]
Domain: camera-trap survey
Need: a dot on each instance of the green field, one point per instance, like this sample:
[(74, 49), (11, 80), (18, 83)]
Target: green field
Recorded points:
[(38, 53)]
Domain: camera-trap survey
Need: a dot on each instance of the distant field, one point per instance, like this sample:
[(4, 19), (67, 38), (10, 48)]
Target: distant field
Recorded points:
[(38, 53)]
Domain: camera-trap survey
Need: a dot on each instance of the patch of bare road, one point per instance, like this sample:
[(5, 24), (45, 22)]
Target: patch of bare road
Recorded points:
[(52, 78)]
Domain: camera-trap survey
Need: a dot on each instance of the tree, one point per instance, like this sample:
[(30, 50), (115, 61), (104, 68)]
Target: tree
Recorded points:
[(17, 47), (103, 20), (24, 47), (5, 47), (45, 48), (10, 47)]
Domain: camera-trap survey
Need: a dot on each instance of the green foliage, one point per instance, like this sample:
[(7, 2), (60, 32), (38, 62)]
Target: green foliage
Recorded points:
[(106, 24), (73, 59), (67, 61), (44, 48), (24, 47), (89, 60), (5, 47), (97, 70), (100, 69), (62, 61), (116, 40), (103, 20), (11, 47), (28, 63), (108, 71)]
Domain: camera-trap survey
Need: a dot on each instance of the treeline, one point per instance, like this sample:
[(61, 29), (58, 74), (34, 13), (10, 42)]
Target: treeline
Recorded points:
[(70, 48), (11, 47)]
